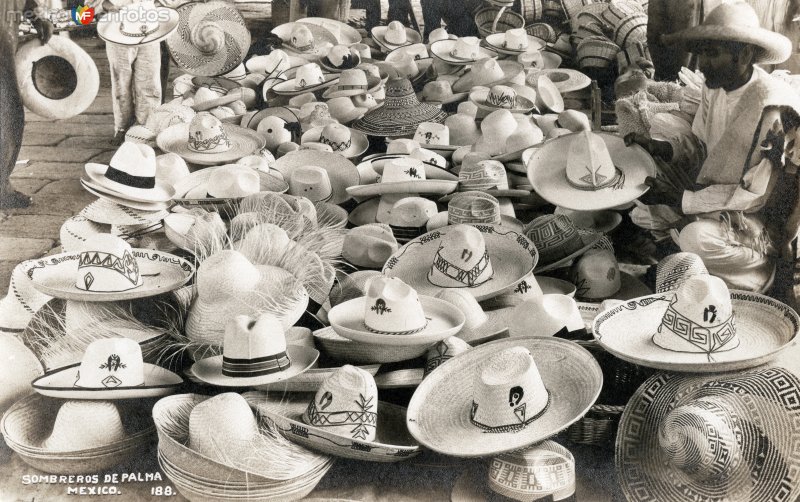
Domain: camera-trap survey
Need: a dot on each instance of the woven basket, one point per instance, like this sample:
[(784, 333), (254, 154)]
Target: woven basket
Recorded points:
[(572, 7), (631, 30), (620, 9), (596, 52), (592, 13), (543, 31), (485, 19), (591, 30), (532, 11), (501, 3), (553, 10)]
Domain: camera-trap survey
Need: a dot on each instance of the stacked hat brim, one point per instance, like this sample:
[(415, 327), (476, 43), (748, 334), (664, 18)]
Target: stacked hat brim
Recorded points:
[(111, 196), (209, 370), (588, 240), (358, 142), (511, 254), (292, 87), (201, 478), (432, 171), (426, 186), (323, 39), (344, 33), (439, 411), (392, 442), (341, 172), (109, 213), (309, 381), (189, 190), (111, 31), (158, 382), (469, 80), (160, 272), (593, 221), (764, 327), (29, 421), (496, 42), (345, 350), (442, 49), (161, 192), (564, 79), (480, 98), (244, 142), (547, 174)]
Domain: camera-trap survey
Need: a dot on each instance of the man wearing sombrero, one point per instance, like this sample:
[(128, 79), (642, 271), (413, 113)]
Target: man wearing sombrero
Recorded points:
[(737, 209)]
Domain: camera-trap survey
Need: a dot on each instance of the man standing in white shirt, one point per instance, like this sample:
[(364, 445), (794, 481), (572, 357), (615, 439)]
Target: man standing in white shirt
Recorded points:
[(737, 215)]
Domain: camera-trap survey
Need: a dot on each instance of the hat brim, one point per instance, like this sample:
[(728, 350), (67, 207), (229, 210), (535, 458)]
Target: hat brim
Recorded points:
[(379, 37), (775, 48), (589, 239), (507, 193), (496, 42), (348, 351), (441, 220), (630, 287), (197, 180), (243, 95), (251, 120), (512, 256), (441, 50), (392, 441), (320, 34), (547, 174), (330, 215), (209, 370), (290, 87), (358, 142), (521, 104), (114, 197), (160, 272), (347, 35), (347, 320), (193, 60), (564, 79), (110, 30), (603, 221), (439, 411), (764, 327), (158, 382), (392, 123), (326, 64), (244, 142), (400, 379), (309, 381), (426, 186), (342, 173), (161, 192), (216, 83), (467, 81), (432, 171)]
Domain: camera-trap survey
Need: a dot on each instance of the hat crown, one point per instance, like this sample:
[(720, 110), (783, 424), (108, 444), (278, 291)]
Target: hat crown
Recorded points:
[(589, 164), (733, 13), (369, 245), (672, 271), (233, 181), (498, 125), (400, 94), (486, 70), (340, 106), (353, 77), (111, 362), (396, 33), (515, 39), (438, 34), (483, 175), (466, 48), (82, 425), (339, 55), (462, 259), (107, 264), (443, 351), (700, 438), (254, 347), (208, 36), (403, 169), (337, 136), (700, 318), (412, 212), (311, 182), (508, 392), (274, 130), (207, 135), (220, 424), (429, 156), (432, 133), (346, 404), (473, 207), (262, 240), (365, 100), (436, 90), (309, 75), (545, 315), (301, 37), (501, 96), (466, 303), (531, 59), (171, 167), (224, 274), (554, 235), (596, 274), (402, 146), (135, 159), (140, 25), (392, 307)]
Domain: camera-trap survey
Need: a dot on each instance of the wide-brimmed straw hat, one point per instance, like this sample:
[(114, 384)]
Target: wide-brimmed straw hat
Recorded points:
[(673, 270), (403, 176), (342, 140), (460, 51), (701, 327), (496, 259), (344, 418), (344, 33), (736, 22), (394, 35), (308, 78), (76, 437), (218, 187), (340, 58), (342, 173), (435, 356), (514, 41), (558, 241), (558, 179), (211, 38), (597, 277), (142, 23), (500, 97), (111, 368), (400, 113), (473, 207), (131, 172), (110, 213), (344, 350), (307, 40), (351, 82), (108, 269), (392, 313), (722, 437), (564, 79), (207, 141), (462, 409), (486, 73), (254, 352)]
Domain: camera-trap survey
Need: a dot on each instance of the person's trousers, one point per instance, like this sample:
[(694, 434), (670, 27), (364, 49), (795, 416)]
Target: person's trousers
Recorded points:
[(12, 112), (735, 256), (135, 82)]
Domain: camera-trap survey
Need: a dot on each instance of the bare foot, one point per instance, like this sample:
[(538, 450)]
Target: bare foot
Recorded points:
[(13, 199)]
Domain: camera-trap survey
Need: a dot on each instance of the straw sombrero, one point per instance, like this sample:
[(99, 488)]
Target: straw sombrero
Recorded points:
[(701, 327), (57, 80), (319, 42), (158, 23), (564, 79), (344, 350), (110, 213), (343, 140), (548, 168), (447, 51), (512, 257), (341, 172), (197, 183), (344, 33), (114, 197), (711, 437), (400, 113), (456, 412), (211, 38), (158, 272), (111, 368), (394, 29), (558, 241), (206, 141)]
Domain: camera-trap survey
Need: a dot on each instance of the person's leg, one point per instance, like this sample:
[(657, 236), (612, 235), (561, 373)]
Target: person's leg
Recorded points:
[(373, 10), (12, 123), (120, 62), (165, 62), (431, 16), (147, 80), (727, 255)]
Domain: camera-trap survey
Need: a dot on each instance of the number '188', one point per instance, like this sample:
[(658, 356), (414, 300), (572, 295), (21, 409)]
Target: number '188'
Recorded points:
[(162, 491)]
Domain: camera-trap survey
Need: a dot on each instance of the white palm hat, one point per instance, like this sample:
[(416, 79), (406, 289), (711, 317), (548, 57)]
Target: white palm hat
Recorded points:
[(131, 172), (308, 78), (394, 35), (342, 140), (499, 397), (344, 110), (546, 315), (514, 41), (488, 72), (311, 182), (111, 368), (340, 58), (369, 246), (308, 41), (701, 327), (143, 23), (461, 51), (206, 141), (403, 175), (480, 325), (254, 352)]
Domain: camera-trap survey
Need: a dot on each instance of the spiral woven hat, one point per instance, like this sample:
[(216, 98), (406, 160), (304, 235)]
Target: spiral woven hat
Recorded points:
[(723, 437), (211, 38), (400, 114)]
